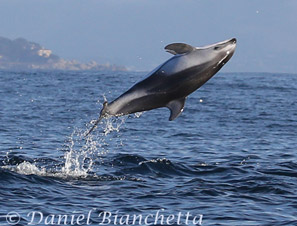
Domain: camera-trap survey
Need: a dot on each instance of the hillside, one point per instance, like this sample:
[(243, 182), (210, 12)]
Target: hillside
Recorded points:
[(20, 54)]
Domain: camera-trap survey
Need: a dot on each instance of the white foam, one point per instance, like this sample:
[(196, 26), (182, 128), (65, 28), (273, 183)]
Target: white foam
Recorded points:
[(81, 152), (26, 168)]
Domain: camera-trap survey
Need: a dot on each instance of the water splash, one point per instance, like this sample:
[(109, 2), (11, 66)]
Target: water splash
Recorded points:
[(114, 124), (82, 151), (78, 157), (138, 114)]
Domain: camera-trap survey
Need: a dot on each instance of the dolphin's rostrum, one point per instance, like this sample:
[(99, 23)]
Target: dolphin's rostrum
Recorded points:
[(170, 83)]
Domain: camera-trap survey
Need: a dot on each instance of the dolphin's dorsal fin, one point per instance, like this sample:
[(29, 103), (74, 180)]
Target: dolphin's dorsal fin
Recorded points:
[(176, 107), (179, 48)]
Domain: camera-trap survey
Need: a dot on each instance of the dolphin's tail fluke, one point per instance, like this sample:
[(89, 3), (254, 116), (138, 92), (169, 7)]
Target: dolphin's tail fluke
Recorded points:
[(102, 115)]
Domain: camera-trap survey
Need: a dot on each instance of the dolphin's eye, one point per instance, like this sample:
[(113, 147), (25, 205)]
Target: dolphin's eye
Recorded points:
[(216, 48)]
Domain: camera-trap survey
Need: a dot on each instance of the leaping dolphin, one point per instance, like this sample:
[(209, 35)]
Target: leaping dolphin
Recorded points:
[(169, 84)]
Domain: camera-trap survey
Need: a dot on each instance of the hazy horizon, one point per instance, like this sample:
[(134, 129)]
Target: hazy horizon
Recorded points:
[(133, 33)]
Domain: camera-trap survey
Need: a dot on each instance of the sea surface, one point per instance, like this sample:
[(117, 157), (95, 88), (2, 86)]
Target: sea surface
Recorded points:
[(229, 159)]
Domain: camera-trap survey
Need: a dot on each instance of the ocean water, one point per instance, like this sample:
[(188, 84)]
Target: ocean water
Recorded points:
[(229, 159)]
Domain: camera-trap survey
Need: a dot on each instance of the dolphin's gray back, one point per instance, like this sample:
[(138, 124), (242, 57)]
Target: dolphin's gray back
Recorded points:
[(173, 80), (170, 83)]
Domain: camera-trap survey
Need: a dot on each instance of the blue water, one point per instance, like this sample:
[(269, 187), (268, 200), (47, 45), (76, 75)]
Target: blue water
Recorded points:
[(230, 158)]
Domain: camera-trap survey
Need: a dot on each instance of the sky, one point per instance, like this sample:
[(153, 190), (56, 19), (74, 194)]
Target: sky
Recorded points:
[(134, 33)]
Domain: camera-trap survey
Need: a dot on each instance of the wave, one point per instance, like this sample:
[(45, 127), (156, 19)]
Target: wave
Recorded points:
[(121, 166), (90, 159), (202, 179), (80, 154)]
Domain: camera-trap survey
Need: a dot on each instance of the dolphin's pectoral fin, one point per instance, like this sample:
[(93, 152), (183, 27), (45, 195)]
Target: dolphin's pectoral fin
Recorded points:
[(179, 48), (176, 107)]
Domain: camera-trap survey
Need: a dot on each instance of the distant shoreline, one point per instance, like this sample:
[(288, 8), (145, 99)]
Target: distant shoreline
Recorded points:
[(20, 54), (59, 70)]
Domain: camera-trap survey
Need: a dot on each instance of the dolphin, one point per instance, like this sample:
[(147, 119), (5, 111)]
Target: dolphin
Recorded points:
[(170, 83)]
